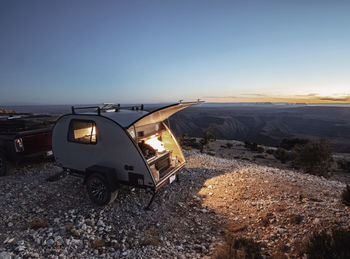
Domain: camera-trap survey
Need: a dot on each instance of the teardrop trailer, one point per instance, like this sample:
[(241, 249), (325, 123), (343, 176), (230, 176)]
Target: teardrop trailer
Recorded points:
[(115, 145)]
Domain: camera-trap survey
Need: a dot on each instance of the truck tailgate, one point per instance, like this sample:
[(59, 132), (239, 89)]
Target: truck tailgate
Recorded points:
[(38, 141)]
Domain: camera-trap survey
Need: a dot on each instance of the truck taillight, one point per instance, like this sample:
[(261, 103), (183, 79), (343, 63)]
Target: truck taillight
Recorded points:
[(19, 145)]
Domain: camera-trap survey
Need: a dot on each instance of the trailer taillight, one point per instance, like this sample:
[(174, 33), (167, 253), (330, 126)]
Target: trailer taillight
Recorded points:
[(19, 145)]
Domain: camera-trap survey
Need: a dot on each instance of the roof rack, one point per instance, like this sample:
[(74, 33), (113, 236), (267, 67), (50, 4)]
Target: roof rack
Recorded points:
[(86, 107), (108, 107)]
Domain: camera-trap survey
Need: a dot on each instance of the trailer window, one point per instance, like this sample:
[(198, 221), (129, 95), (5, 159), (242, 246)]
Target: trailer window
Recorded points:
[(82, 131)]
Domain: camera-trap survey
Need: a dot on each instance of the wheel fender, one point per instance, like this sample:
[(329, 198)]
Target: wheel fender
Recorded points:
[(109, 173)]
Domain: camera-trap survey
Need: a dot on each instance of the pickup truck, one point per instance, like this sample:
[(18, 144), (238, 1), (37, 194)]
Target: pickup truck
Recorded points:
[(23, 137)]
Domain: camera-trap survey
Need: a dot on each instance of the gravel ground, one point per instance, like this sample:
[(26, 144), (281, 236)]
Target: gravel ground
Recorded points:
[(187, 219)]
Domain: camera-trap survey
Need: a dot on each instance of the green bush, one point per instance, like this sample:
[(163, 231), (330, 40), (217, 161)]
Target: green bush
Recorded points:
[(334, 244), (346, 195), (313, 157)]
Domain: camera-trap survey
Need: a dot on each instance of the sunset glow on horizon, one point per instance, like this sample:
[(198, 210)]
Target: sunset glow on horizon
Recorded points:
[(278, 99)]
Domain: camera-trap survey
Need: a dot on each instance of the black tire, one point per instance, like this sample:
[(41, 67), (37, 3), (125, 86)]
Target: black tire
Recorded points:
[(3, 164), (99, 190)]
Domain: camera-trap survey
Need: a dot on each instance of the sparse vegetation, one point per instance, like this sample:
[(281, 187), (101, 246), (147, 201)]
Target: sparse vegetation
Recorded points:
[(238, 248), (270, 151), (289, 144), (97, 243), (37, 223), (346, 195), (329, 244), (252, 146), (189, 143), (344, 165), (151, 238), (229, 145), (283, 155), (313, 157), (296, 219), (265, 221), (208, 136)]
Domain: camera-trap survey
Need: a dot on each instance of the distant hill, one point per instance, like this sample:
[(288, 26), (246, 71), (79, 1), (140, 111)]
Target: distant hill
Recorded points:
[(267, 124)]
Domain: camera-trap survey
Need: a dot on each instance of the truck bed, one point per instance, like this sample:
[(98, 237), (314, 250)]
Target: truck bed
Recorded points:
[(25, 123), (23, 137)]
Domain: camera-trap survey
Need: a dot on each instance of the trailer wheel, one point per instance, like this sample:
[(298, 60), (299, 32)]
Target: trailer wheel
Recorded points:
[(3, 163), (99, 191)]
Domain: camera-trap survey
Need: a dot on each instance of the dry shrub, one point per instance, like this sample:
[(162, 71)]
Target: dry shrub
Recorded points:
[(289, 144), (37, 223), (69, 227), (97, 243), (265, 220), (283, 155), (270, 151), (189, 143), (295, 219), (151, 238), (344, 165), (238, 247), (281, 207), (229, 145), (346, 195), (332, 244), (254, 147), (314, 158), (282, 249)]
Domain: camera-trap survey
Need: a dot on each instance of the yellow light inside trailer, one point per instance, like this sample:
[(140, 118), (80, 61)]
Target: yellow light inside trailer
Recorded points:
[(86, 134), (93, 134), (155, 143)]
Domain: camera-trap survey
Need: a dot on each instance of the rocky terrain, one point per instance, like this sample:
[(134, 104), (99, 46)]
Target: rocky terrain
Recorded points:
[(276, 207)]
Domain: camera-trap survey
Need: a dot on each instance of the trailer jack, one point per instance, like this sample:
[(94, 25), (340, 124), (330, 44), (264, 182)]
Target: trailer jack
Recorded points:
[(151, 201), (58, 176)]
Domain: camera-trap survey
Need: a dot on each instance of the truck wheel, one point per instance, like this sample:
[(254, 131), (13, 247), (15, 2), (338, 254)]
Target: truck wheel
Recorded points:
[(99, 191), (3, 167)]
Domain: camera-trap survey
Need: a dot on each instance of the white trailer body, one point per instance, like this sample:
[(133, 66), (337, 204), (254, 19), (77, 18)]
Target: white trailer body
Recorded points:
[(112, 147)]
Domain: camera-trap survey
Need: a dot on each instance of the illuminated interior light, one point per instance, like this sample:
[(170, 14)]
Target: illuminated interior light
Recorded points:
[(155, 143), (86, 133), (93, 134)]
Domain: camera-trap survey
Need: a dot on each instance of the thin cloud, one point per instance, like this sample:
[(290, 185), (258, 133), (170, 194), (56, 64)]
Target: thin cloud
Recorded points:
[(260, 95), (221, 97), (336, 99), (307, 95)]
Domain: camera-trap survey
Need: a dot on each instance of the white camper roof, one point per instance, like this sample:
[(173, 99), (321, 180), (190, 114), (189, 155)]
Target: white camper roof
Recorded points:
[(126, 118)]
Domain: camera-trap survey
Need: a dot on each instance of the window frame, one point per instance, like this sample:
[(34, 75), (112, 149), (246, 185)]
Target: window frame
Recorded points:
[(79, 142)]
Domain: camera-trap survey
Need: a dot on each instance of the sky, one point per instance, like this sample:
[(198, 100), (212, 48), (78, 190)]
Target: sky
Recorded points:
[(76, 52)]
